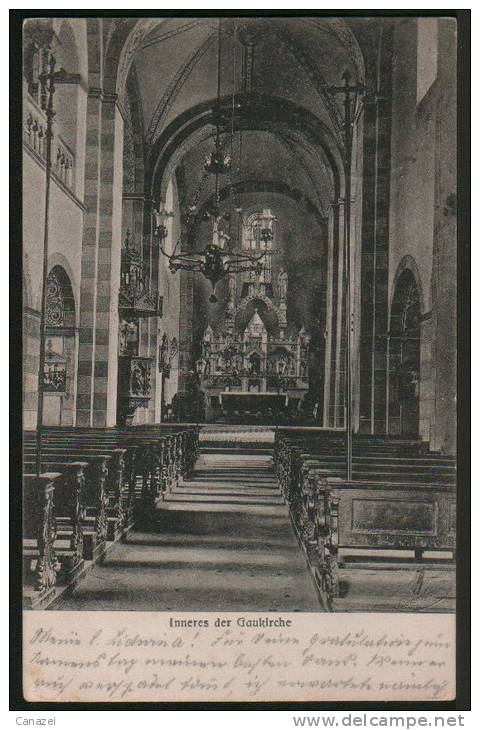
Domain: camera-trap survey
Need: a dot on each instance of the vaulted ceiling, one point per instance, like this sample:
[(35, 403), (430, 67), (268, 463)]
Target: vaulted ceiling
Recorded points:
[(294, 58), (292, 134)]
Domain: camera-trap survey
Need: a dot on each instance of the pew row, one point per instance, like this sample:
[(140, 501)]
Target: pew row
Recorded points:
[(356, 530), (93, 488), (373, 530)]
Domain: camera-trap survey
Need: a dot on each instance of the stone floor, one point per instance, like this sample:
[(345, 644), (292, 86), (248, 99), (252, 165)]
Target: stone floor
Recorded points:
[(223, 541)]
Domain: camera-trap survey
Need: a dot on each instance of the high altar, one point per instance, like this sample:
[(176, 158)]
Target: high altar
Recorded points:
[(256, 366)]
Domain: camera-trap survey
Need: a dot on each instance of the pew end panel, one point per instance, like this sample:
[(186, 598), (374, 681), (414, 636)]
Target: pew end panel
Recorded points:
[(40, 562), (95, 524), (70, 516), (368, 525)]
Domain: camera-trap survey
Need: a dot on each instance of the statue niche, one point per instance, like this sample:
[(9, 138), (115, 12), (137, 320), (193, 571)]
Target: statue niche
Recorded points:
[(282, 284)]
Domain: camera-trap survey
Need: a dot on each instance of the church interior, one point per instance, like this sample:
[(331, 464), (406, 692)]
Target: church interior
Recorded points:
[(239, 313)]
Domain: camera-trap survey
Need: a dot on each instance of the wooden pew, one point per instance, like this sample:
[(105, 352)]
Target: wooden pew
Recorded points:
[(164, 455), (46, 500), (129, 460), (370, 461), (396, 484), (69, 514), (187, 435), (340, 516), (180, 447), (88, 495), (302, 468), (152, 460), (107, 494)]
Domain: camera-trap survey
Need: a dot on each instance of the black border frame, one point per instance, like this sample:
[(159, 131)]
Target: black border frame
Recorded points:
[(463, 616)]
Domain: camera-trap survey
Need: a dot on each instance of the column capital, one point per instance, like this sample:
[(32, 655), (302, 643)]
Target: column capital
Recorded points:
[(136, 196), (95, 92), (373, 98), (116, 101), (334, 206), (110, 98)]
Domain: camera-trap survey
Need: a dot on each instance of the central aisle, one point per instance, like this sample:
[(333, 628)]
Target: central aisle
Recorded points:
[(221, 542)]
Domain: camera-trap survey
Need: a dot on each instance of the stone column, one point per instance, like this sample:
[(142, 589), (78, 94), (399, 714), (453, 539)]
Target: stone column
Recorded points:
[(444, 278), (356, 263), (426, 385), (339, 323), (185, 328), (101, 256), (374, 265), (329, 315), (88, 285), (108, 280), (153, 412)]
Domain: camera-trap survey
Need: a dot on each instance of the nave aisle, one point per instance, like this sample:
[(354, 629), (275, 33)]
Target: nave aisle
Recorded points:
[(220, 542)]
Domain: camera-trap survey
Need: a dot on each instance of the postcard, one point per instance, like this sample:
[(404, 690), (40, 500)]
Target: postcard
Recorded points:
[(239, 357)]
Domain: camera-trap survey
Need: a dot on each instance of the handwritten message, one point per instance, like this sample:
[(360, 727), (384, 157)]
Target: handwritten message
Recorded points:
[(127, 656)]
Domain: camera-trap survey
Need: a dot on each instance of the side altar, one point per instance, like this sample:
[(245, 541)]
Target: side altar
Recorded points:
[(255, 367)]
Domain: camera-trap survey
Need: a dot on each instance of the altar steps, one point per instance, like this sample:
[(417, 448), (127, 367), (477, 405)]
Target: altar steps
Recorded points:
[(237, 440), (235, 449), (219, 480)]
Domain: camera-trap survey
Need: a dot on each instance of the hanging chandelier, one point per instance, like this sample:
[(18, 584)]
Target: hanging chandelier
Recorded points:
[(216, 261), (217, 162)]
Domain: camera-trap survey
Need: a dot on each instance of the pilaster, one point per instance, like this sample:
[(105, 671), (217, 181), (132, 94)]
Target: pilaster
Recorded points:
[(101, 257)]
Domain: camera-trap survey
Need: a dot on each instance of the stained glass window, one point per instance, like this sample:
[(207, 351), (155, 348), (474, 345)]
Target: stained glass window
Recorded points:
[(256, 240)]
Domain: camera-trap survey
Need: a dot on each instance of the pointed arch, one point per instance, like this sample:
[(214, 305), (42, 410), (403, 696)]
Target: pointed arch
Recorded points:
[(408, 263)]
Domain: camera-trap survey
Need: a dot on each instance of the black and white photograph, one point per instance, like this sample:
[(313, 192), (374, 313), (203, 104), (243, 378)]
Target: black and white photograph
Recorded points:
[(239, 288)]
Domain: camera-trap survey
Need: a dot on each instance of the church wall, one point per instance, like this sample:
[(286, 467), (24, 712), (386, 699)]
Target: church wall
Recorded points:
[(444, 275), (423, 174), (65, 228), (70, 100), (65, 235), (413, 154)]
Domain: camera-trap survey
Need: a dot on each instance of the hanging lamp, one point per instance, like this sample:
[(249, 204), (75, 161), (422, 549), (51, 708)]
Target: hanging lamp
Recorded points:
[(215, 261)]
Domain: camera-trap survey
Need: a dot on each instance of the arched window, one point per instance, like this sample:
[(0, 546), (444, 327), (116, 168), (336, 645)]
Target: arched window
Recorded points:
[(259, 235), (59, 332), (60, 306)]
